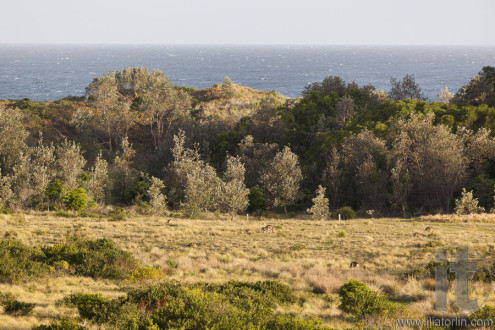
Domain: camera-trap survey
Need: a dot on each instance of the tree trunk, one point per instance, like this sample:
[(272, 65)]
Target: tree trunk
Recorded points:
[(285, 209)]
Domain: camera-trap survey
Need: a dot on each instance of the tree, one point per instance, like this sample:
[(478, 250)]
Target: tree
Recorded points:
[(432, 156), (76, 200), (344, 111), (114, 114), (479, 147), (445, 96), (407, 88), (12, 139), (70, 163), (124, 161), (320, 210), (53, 191), (184, 160), (228, 89), (480, 90), (43, 168), (234, 192), (332, 177), (467, 204), (158, 201), (257, 200), (99, 178), (255, 157), (5, 191), (281, 179), (202, 191), (365, 159)]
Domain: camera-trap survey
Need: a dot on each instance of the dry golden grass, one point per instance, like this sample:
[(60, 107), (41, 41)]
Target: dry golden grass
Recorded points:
[(309, 256)]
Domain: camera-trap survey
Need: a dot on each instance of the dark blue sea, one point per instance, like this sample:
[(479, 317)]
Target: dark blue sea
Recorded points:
[(51, 72)]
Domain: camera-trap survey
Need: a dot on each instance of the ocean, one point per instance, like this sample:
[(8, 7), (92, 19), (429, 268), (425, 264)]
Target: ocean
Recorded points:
[(51, 72)]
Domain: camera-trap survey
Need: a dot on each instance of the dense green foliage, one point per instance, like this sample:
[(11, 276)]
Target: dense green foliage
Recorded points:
[(233, 305), (78, 256), (371, 150), (359, 300)]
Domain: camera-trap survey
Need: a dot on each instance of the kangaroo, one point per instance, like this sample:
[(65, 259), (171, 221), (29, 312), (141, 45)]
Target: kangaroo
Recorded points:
[(267, 229), (354, 264), (417, 235), (169, 220), (429, 228)]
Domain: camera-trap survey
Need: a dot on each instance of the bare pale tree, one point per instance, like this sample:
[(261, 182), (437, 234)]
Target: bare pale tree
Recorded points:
[(234, 197), (43, 168), (320, 209), (479, 147), (124, 161), (281, 179), (70, 164), (158, 200), (445, 96), (99, 179)]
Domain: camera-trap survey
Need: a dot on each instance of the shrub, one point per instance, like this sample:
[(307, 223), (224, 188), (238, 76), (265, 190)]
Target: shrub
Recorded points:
[(95, 258), (142, 272), (257, 200), (484, 313), (118, 214), (173, 305), (65, 323), (345, 212), (76, 200), (467, 204), (359, 300), (18, 261), (15, 307), (341, 234), (288, 322), (93, 306), (320, 209)]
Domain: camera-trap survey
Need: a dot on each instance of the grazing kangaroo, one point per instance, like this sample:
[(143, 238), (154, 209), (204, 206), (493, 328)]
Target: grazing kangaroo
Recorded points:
[(417, 235), (354, 264), (169, 220), (429, 228), (267, 228)]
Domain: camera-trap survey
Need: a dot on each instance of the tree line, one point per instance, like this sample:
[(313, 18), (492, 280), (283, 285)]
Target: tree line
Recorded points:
[(136, 139)]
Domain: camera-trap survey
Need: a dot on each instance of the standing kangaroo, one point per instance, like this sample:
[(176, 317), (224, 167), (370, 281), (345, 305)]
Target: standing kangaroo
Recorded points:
[(267, 228)]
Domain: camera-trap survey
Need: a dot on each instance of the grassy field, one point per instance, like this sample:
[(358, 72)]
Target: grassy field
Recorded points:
[(311, 257)]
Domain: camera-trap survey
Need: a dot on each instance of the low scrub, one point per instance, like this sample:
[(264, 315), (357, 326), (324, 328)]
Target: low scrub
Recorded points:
[(15, 307), (360, 301), (346, 213), (233, 305), (99, 258)]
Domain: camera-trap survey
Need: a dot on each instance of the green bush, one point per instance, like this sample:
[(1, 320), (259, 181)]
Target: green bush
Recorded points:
[(18, 261), (288, 322), (359, 300), (173, 305), (145, 273), (341, 234), (95, 258), (93, 306), (118, 214), (257, 201), (345, 212), (65, 323), (15, 307), (484, 313), (76, 200)]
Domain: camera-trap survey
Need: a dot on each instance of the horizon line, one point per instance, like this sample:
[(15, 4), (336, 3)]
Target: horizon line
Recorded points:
[(236, 44)]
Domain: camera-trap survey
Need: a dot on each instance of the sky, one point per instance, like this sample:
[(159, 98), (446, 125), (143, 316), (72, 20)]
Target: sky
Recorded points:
[(363, 22)]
